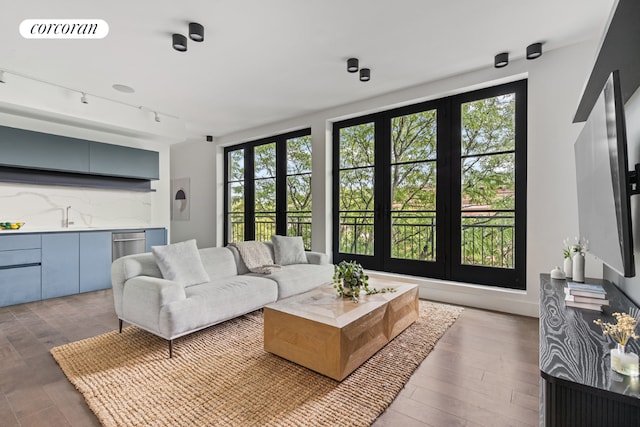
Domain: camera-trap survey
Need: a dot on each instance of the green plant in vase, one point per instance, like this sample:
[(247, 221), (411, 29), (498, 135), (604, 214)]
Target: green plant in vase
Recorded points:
[(349, 279)]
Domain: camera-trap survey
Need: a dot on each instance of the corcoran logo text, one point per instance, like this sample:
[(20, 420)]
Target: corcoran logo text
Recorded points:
[(64, 29)]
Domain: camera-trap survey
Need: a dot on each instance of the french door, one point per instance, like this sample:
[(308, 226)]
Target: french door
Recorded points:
[(436, 189)]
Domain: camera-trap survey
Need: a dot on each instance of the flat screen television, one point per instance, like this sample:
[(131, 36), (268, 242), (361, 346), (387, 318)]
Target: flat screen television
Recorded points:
[(604, 187)]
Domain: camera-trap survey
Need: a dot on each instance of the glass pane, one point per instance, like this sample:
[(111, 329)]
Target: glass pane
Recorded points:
[(236, 165), (413, 235), (356, 233), (413, 231), (236, 227), (265, 160), (236, 197), (299, 224), (356, 189), (413, 137), (299, 193), (299, 155), (488, 125), (265, 195), (265, 226), (488, 239), (488, 182), (357, 146)]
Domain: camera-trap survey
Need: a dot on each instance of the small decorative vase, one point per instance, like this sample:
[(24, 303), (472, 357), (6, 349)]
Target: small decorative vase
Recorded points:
[(624, 363), (568, 267), (578, 267)]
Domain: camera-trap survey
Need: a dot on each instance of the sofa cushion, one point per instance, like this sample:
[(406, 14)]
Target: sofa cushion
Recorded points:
[(181, 263), (288, 250), (298, 278), (218, 263)]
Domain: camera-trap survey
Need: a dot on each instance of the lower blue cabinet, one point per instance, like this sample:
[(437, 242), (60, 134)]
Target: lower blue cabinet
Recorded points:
[(60, 264), (155, 237), (19, 284), (95, 261)]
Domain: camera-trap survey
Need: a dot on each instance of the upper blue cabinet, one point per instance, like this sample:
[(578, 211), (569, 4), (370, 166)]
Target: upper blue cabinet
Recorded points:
[(36, 150), (116, 160), (25, 149)]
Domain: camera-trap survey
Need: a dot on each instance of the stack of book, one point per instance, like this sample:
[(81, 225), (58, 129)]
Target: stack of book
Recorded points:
[(583, 295)]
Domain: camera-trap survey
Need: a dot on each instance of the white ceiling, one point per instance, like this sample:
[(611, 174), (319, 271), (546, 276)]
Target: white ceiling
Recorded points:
[(268, 60)]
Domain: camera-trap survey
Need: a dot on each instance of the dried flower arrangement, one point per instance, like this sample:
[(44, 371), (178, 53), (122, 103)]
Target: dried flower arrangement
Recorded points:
[(623, 330)]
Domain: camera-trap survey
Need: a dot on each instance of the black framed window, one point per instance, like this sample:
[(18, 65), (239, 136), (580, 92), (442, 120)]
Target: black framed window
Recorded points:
[(268, 188), (436, 189)]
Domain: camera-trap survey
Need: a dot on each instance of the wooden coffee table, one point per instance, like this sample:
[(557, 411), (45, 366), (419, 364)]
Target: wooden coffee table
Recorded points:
[(333, 335)]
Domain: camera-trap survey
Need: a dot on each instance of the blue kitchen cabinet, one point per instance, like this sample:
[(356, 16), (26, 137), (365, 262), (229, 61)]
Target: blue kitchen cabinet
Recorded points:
[(155, 237), (95, 261), (19, 269), (36, 150), (60, 264), (116, 160)]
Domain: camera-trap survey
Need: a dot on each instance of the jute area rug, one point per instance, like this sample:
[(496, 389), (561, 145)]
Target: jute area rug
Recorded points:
[(222, 376)]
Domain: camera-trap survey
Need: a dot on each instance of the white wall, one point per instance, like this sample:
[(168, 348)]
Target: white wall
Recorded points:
[(555, 83), (196, 161), (42, 206)]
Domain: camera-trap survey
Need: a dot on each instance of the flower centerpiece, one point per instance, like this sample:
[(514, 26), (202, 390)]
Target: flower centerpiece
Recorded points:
[(622, 331), (349, 279)]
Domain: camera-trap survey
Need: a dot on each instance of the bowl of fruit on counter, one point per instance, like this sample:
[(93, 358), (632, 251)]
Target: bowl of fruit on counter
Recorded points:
[(11, 225)]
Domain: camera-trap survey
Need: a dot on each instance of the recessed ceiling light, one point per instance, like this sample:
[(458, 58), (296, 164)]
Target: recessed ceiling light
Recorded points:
[(123, 88)]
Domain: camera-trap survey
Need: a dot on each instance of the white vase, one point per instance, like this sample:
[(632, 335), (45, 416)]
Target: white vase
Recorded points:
[(624, 363), (578, 267), (568, 267)]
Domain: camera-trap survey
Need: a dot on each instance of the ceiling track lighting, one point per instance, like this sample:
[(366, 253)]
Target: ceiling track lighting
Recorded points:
[(501, 60), (83, 98), (196, 32), (179, 42), (534, 51), (352, 65), (365, 75), (157, 117)]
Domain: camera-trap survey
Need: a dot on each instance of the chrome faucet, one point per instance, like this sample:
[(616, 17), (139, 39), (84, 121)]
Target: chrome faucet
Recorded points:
[(66, 219)]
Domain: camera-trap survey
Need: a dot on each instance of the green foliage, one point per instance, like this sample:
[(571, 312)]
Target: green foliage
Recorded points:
[(349, 278)]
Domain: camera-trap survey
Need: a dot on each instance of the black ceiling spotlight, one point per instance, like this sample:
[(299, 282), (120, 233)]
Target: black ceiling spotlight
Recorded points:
[(209, 138), (179, 42), (352, 65), (196, 32), (365, 75), (501, 60), (534, 50)]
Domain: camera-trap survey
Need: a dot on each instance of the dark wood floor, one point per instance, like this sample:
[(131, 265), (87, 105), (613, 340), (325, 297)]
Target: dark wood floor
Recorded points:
[(483, 372)]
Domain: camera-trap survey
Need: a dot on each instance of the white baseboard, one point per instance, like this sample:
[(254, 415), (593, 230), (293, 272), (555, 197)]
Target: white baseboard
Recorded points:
[(479, 296)]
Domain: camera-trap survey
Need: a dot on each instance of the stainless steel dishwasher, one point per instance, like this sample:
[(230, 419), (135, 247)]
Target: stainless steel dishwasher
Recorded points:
[(127, 244)]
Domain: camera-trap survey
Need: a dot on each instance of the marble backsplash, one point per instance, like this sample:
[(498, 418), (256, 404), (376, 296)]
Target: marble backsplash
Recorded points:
[(45, 206)]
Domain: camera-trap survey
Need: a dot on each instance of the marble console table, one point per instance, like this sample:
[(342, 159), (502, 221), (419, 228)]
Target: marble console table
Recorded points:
[(579, 387)]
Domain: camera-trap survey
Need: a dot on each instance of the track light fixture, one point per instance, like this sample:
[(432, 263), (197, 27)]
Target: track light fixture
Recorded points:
[(196, 32), (352, 65), (534, 50), (365, 75), (157, 117), (2, 76), (501, 60), (179, 42), (83, 98)]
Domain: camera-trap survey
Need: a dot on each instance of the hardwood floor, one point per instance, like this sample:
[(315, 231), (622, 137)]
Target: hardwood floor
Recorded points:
[(482, 372)]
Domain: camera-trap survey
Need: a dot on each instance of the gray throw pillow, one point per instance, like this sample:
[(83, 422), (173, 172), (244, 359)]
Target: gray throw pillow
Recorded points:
[(181, 263), (288, 250)]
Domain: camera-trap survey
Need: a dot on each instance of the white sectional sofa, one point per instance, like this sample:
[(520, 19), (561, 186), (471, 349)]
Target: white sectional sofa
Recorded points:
[(170, 309)]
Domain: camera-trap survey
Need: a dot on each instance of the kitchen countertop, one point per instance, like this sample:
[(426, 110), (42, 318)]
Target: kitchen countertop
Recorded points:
[(26, 229)]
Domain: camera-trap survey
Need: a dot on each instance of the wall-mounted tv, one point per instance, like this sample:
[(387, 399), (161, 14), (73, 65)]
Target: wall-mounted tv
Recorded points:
[(604, 185)]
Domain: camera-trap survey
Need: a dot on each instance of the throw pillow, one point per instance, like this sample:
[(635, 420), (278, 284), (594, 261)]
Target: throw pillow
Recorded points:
[(181, 263), (288, 250)]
